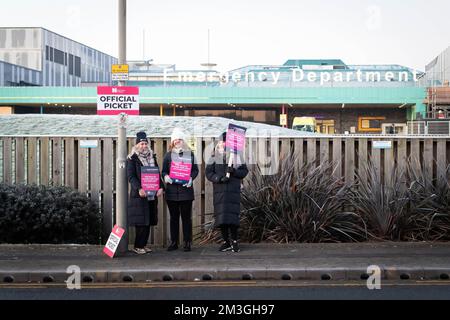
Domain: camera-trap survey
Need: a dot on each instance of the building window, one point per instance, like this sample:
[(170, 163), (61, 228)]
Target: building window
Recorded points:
[(77, 66), (59, 56), (47, 53), (71, 64), (370, 124)]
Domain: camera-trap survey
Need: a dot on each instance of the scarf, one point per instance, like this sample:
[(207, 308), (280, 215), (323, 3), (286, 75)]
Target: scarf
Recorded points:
[(145, 157)]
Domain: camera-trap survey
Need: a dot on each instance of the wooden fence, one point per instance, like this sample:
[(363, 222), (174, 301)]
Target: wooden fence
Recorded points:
[(62, 161)]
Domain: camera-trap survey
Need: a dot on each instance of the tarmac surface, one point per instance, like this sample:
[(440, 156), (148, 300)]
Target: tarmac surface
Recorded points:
[(34, 264)]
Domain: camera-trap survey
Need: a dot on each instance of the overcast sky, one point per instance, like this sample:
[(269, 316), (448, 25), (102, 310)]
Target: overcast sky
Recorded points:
[(244, 32)]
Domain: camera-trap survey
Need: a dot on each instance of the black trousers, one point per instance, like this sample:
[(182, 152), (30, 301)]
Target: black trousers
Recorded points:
[(183, 209), (227, 230), (142, 233)]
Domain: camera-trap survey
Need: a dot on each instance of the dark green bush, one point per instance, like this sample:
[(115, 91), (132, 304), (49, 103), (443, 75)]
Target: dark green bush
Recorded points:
[(41, 214)]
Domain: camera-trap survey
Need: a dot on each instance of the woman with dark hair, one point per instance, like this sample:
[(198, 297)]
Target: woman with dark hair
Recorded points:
[(227, 193), (142, 210)]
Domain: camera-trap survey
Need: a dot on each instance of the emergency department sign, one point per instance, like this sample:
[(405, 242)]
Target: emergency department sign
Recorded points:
[(115, 100)]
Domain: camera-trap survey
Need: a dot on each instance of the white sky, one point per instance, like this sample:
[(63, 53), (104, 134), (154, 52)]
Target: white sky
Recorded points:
[(243, 32)]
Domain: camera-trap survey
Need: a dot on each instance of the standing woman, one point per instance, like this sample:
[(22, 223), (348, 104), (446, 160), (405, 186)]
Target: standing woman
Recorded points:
[(227, 193), (142, 212), (179, 197)]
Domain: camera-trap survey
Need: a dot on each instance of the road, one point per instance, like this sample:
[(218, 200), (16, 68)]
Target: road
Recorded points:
[(227, 290)]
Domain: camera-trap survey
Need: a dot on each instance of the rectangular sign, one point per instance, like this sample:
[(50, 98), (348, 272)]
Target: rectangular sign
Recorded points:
[(116, 100), (119, 68), (283, 119), (382, 144), (88, 143), (235, 138), (150, 181), (180, 168), (113, 241), (119, 77)]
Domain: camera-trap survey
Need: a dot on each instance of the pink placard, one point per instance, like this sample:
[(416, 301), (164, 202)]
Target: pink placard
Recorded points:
[(150, 178), (180, 170), (235, 138), (113, 241)]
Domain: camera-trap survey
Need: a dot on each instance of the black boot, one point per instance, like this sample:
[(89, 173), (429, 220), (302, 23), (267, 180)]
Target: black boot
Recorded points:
[(173, 246), (187, 246)]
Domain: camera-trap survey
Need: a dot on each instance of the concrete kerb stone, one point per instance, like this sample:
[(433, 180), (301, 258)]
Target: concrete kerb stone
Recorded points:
[(127, 276), (286, 273), (401, 273), (203, 275), (167, 275), (325, 274), (48, 277), (93, 276), (14, 277), (437, 274), (235, 273), (360, 274)]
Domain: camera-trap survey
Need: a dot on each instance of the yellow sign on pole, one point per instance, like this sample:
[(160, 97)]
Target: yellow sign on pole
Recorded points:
[(119, 72), (119, 68), (283, 119)]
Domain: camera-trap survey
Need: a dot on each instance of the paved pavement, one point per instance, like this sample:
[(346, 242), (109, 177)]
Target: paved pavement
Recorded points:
[(315, 262)]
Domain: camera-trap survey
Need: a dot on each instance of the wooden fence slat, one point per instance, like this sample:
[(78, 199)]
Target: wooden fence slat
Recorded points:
[(197, 210), (82, 168), (415, 154), (20, 160), (69, 162), (376, 160), (209, 205), (57, 161), (44, 171), (298, 150), (362, 158), (107, 176), (285, 148), (349, 160), (159, 230), (32, 160), (388, 164), (428, 158), (95, 172), (311, 151), (7, 160), (441, 161), (402, 159), (337, 157), (324, 151)]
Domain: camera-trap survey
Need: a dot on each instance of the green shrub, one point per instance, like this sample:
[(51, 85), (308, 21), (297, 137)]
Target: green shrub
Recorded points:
[(41, 214)]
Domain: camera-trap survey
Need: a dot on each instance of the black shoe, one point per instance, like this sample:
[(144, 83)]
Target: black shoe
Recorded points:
[(226, 246), (173, 246), (235, 246), (187, 246)]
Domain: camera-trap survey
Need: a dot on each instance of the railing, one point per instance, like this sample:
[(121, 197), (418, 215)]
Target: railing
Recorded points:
[(62, 161), (434, 127)]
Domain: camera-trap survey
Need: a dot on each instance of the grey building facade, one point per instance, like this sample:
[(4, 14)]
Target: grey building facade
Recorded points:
[(39, 57)]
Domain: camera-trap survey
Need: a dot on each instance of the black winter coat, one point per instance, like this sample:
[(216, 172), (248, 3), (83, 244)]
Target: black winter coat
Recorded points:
[(227, 196), (141, 212), (176, 192)]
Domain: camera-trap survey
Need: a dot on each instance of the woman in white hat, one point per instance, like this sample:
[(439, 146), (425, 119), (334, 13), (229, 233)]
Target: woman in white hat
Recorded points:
[(179, 191)]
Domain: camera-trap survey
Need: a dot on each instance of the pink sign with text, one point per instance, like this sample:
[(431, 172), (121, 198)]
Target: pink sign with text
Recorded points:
[(113, 241)]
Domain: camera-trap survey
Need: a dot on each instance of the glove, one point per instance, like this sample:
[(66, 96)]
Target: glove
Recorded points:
[(224, 179), (189, 184), (167, 179), (230, 170)]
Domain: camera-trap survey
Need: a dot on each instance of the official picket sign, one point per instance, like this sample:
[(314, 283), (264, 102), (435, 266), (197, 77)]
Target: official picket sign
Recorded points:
[(116, 100), (113, 241)]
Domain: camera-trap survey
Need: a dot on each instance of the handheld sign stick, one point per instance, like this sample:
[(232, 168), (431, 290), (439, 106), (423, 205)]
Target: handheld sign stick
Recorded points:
[(230, 162)]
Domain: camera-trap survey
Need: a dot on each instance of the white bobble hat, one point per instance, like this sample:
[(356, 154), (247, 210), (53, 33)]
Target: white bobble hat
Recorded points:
[(177, 133)]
